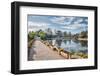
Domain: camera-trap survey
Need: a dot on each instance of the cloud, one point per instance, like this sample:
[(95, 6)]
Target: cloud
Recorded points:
[(68, 20), (74, 27), (78, 20), (66, 23), (62, 20), (37, 24)]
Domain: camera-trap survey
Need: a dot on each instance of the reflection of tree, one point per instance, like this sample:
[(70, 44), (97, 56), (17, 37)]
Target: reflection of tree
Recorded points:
[(65, 41), (50, 41), (76, 41), (84, 51), (69, 41), (83, 43), (58, 42)]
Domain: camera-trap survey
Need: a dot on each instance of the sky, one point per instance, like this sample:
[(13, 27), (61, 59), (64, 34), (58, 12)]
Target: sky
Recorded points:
[(73, 24)]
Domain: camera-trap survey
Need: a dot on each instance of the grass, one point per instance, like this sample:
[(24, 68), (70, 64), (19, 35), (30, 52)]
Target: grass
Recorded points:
[(79, 55)]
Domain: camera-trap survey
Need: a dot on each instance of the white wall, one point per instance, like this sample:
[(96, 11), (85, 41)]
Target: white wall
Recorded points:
[(5, 27)]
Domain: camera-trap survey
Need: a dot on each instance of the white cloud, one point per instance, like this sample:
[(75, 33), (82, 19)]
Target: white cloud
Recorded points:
[(78, 21), (62, 20), (34, 26), (73, 27), (37, 24)]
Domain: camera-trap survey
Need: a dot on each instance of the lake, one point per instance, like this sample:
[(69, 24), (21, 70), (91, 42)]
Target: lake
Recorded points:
[(70, 45)]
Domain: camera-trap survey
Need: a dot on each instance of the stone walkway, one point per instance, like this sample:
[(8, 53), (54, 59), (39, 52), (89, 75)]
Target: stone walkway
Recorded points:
[(40, 51)]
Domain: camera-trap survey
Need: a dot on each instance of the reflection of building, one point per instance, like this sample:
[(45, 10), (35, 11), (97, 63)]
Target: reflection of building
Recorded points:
[(53, 42)]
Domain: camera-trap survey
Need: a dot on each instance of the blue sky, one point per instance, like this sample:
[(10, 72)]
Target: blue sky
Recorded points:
[(73, 24)]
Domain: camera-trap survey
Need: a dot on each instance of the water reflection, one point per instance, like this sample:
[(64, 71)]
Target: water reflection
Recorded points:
[(70, 45)]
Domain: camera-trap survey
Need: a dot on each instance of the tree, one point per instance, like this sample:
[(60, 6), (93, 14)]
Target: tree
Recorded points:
[(42, 35), (75, 36), (83, 34), (31, 35)]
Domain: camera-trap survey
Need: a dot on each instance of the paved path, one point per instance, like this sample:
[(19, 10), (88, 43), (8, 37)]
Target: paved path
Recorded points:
[(40, 51)]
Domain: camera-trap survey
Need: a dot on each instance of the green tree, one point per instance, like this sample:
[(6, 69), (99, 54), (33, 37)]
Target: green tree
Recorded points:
[(83, 34), (42, 35), (31, 35)]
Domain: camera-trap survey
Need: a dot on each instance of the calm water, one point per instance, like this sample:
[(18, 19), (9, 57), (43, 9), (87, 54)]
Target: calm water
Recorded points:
[(70, 45)]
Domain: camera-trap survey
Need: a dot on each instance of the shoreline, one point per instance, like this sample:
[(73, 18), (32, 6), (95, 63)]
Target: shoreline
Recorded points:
[(82, 39)]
